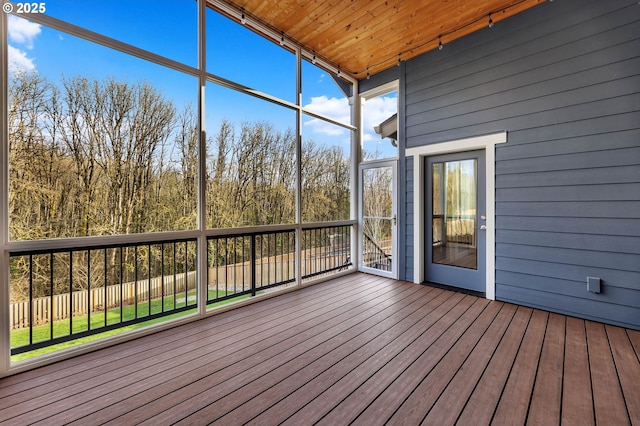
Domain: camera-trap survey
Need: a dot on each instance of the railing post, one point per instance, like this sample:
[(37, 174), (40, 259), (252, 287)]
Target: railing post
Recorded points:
[(252, 263)]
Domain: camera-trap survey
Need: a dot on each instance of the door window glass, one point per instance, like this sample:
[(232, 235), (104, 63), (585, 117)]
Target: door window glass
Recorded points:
[(454, 213)]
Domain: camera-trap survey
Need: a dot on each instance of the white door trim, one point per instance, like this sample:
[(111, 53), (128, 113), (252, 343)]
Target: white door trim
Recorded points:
[(486, 142)]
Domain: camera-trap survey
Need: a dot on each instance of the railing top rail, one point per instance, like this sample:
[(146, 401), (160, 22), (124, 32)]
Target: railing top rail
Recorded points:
[(331, 224), (266, 229), (97, 243), (248, 230), (108, 241)]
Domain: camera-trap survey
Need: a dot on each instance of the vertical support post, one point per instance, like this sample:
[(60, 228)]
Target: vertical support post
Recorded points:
[(120, 279), (5, 344), (71, 293), (298, 235), (30, 299), (105, 300), (252, 263), (401, 263), (52, 316), (135, 281), (162, 277), (175, 276), (202, 245), (356, 154), (149, 289), (89, 289)]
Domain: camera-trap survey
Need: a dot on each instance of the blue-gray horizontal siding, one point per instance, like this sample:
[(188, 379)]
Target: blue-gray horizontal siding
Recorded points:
[(563, 79), (409, 222)]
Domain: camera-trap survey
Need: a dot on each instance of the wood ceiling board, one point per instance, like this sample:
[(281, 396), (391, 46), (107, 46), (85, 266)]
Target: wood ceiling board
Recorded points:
[(361, 26), (360, 34)]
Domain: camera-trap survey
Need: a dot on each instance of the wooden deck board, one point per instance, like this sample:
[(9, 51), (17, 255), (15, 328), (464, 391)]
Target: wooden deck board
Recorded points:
[(357, 349), (424, 396), (546, 400), (634, 337), (222, 365), (273, 407), (446, 336), (607, 394), (487, 393), (577, 402), (514, 403), (628, 370), (454, 398), (252, 384), (359, 388)]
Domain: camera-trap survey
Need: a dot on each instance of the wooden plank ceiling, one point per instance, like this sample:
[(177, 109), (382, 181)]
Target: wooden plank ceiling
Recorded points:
[(361, 36)]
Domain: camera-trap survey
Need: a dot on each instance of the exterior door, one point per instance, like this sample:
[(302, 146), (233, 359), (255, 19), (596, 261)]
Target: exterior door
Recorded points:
[(377, 239), (455, 216)]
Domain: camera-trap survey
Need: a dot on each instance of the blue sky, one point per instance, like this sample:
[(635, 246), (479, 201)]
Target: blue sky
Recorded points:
[(233, 52)]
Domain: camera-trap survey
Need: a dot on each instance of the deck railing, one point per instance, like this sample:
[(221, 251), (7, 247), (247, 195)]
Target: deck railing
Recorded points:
[(325, 249), (252, 262), (63, 294), (244, 264), (374, 256)]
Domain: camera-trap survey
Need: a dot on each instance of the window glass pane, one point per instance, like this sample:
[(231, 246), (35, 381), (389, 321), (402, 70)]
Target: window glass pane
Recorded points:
[(323, 95), (251, 160), (454, 213), (325, 171), (236, 53), (380, 127), (169, 28), (96, 140)]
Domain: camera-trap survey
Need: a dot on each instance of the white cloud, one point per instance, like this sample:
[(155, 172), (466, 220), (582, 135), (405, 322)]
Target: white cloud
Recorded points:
[(377, 110), (19, 62), (374, 112), (22, 31), (337, 109)]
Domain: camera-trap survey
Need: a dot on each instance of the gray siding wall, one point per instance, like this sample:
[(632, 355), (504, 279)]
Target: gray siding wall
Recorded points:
[(563, 79), (408, 223)]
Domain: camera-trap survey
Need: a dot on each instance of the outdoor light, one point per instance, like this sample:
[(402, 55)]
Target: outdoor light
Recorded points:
[(490, 21), (313, 60), (243, 20), (368, 75), (282, 39), (399, 60), (440, 45)]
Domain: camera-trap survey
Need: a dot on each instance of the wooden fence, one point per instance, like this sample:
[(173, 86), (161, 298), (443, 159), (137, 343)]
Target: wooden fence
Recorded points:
[(82, 302)]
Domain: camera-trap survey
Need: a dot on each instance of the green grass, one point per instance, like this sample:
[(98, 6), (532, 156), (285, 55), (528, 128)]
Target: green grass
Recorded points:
[(61, 328)]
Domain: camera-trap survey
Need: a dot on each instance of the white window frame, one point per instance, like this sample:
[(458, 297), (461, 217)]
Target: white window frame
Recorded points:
[(392, 86)]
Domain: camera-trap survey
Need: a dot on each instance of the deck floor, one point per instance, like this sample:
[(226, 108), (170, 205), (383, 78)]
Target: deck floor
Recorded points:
[(357, 349)]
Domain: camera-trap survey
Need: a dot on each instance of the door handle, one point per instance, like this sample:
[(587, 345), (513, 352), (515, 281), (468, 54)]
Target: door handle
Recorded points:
[(483, 227)]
